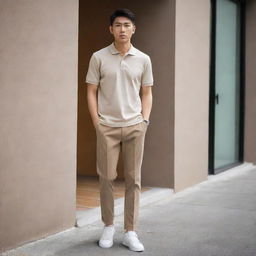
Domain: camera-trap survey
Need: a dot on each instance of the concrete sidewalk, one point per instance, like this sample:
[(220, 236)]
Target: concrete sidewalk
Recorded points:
[(215, 218)]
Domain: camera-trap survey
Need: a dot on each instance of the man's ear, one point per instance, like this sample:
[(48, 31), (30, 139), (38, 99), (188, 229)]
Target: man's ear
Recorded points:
[(111, 29), (134, 28)]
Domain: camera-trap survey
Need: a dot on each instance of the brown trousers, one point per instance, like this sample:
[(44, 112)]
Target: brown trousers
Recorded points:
[(130, 140)]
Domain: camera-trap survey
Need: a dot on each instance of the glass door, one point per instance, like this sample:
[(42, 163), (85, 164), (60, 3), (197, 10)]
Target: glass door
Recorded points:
[(226, 99)]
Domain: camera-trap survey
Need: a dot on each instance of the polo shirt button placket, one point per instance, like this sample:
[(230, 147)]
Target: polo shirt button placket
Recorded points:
[(122, 65), (122, 62)]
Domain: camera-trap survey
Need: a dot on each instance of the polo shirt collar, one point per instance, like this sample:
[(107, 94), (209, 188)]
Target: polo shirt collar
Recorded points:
[(113, 50)]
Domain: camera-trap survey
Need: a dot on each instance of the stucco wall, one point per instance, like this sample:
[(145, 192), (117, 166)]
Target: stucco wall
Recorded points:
[(250, 79), (38, 95), (192, 49), (154, 36)]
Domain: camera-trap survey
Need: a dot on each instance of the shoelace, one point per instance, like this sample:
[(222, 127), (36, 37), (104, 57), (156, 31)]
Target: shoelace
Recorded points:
[(107, 233), (134, 237)]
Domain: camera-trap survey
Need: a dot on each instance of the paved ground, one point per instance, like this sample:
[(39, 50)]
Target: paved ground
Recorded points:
[(214, 218)]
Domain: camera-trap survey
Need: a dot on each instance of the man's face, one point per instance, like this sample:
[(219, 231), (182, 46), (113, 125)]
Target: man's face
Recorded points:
[(122, 29)]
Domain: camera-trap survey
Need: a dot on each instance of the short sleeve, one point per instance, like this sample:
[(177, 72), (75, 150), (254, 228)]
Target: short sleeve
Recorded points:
[(93, 73), (147, 75)]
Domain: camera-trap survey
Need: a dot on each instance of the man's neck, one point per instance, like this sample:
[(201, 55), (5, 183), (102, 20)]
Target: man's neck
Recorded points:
[(123, 48)]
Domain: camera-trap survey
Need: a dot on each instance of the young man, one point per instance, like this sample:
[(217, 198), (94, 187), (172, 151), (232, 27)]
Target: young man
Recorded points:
[(119, 96)]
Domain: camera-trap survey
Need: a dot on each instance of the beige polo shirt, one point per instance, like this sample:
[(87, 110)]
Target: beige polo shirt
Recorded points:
[(119, 79)]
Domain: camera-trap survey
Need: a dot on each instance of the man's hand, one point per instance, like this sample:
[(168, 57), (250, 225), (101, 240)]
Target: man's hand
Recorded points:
[(95, 123)]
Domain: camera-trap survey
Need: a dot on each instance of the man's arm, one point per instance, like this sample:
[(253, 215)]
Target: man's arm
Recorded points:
[(92, 103), (146, 101)]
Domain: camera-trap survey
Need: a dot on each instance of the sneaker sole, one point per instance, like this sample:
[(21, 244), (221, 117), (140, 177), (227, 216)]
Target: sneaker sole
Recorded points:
[(131, 249), (104, 246)]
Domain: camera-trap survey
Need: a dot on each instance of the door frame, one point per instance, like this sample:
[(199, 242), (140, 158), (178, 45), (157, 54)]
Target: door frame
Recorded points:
[(212, 90)]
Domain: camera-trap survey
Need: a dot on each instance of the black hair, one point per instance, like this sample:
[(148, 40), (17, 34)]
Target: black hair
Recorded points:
[(123, 12)]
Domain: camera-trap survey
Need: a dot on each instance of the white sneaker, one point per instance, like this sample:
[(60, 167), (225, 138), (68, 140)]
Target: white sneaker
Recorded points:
[(106, 239), (132, 242)]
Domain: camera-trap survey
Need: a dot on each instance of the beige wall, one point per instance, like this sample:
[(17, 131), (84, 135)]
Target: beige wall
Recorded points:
[(192, 49), (155, 36), (250, 88), (38, 95)]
